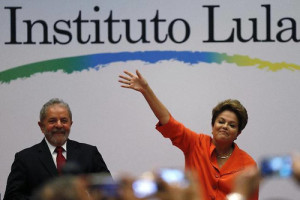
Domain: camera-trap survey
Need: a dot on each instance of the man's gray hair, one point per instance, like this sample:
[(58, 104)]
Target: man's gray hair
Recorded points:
[(52, 102)]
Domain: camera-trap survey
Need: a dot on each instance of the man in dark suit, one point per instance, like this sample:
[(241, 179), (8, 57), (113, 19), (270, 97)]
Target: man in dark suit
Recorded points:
[(38, 164)]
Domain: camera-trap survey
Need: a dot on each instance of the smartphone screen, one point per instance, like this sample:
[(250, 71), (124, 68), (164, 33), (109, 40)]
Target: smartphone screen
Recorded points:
[(147, 186), (174, 176), (280, 166), (144, 187)]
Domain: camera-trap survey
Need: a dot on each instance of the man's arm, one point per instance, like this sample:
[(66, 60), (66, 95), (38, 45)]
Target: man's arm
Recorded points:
[(16, 188), (98, 162)]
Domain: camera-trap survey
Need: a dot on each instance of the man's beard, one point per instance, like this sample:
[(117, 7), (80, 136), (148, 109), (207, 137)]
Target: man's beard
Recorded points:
[(53, 140)]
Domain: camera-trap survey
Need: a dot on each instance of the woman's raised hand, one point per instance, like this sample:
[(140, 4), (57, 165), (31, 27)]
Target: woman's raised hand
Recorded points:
[(136, 82)]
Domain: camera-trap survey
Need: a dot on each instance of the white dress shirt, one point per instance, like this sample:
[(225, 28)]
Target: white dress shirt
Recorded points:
[(53, 153)]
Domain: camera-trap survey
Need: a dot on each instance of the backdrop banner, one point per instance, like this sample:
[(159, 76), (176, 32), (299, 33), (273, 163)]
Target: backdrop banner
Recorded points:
[(193, 53)]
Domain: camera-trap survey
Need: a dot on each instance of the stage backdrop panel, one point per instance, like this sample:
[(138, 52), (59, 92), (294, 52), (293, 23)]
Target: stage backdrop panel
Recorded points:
[(193, 53)]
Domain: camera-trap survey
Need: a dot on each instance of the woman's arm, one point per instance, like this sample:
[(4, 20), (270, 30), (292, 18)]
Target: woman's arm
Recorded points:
[(138, 83)]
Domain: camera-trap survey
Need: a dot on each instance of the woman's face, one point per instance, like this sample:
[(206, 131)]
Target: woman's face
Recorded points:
[(225, 129)]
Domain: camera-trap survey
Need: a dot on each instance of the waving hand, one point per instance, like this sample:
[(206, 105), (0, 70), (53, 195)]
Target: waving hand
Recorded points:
[(138, 83)]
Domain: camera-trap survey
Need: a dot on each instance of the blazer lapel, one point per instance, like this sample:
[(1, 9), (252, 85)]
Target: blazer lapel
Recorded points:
[(72, 151), (46, 158)]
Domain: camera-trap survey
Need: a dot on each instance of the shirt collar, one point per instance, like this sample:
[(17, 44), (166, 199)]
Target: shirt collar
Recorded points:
[(235, 162), (52, 148), (213, 147)]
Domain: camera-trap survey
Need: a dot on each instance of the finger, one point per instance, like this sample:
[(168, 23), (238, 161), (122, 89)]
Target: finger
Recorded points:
[(124, 82), (125, 86), (129, 73), (125, 77), (139, 74)]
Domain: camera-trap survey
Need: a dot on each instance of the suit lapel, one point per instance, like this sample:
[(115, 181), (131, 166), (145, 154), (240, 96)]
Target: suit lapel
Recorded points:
[(72, 151), (46, 158)]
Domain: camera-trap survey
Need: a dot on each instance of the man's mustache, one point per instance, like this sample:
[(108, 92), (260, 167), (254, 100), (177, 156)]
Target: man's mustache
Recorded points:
[(58, 130)]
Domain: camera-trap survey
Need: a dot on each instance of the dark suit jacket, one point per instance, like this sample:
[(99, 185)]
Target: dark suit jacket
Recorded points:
[(34, 166)]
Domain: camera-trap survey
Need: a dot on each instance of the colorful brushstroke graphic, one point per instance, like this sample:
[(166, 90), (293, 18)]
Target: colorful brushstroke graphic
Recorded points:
[(86, 62)]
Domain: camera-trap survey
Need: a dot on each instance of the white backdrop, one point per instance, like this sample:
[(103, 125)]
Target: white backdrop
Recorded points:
[(118, 121)]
